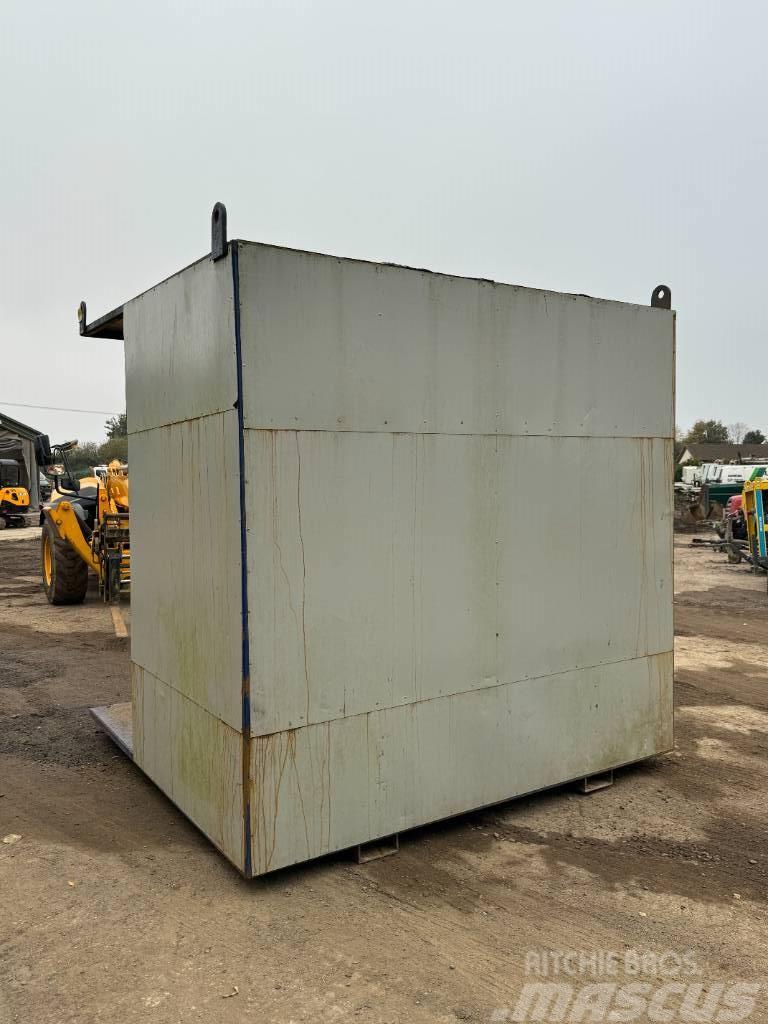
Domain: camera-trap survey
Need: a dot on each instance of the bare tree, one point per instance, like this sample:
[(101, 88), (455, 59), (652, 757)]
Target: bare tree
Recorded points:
[(737, 432)]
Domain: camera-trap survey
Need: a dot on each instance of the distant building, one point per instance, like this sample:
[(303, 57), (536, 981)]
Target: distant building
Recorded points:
[(17, 442), (749, 453)]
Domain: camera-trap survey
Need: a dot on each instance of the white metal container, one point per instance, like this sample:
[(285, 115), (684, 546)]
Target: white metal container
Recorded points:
[(401, 543)]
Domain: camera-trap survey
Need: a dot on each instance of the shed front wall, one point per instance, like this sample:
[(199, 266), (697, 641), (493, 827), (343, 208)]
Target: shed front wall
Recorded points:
[(334, 785), (458, 498)]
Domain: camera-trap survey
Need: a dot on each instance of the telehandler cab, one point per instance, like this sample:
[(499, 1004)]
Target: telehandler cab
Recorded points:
[(14, 496)]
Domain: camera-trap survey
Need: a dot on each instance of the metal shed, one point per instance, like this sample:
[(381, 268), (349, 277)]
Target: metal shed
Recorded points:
[(401, 541), (17, 442)]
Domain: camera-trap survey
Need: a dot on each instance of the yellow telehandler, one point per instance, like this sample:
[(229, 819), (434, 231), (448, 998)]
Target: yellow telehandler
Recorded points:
[(85, 526)]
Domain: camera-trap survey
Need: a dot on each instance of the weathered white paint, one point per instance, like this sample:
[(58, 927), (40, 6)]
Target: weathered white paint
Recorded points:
[(458, 501), (185, 560), (180, 348), (390, 568), (195, 758), (333, 344), (321, 788)]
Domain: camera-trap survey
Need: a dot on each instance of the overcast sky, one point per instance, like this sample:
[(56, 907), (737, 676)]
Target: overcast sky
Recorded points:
[(587, 147)]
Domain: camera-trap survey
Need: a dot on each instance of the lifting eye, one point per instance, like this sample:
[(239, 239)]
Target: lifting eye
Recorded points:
[(661, 297), (218, 231)]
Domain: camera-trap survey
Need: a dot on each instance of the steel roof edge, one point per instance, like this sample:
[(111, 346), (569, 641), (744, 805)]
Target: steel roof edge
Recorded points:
[(109, 324)]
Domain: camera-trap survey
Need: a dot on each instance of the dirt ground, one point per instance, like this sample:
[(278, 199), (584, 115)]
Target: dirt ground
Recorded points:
[(114, 908)]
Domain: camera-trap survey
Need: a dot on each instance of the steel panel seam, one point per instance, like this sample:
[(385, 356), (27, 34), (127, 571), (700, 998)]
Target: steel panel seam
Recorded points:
[(497, 684)]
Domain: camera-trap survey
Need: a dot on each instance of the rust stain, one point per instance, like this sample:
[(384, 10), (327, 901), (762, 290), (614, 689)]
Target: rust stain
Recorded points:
[(328, 783), (304, 571), (291, 736), (270, 763), (276, 759)]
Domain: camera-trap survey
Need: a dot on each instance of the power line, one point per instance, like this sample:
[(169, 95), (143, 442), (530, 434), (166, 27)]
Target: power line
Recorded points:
[(58, 408)]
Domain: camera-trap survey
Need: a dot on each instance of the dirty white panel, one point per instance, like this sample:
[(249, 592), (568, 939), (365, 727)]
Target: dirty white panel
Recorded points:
[(180, 347), (387, 771), (331, 562), (585, 576), (386, 569), (151, 702), (185, 560), (194, 758), (334, 344), (290, 767)]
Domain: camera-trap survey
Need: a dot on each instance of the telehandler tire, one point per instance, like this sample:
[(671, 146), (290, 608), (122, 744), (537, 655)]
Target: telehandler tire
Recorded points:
[(65, 574)]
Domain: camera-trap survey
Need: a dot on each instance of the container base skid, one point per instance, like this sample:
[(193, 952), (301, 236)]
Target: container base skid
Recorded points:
[(377, 849), (592, 783), (116, 720)]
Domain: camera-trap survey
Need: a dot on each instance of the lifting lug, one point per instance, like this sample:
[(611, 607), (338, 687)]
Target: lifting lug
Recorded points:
[(219, 232)]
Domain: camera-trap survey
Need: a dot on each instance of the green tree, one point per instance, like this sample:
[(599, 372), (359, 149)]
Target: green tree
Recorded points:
[(84, 458), (707, 432), (754, 437), (117, 426), (114, 448), (679, 442)]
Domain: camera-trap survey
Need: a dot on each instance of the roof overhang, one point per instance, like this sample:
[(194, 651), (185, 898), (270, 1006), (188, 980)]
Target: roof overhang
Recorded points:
[(108, 326)]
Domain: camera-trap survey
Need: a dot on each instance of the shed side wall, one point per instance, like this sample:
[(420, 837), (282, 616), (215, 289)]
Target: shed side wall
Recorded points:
[(180, 347), (186, 598)]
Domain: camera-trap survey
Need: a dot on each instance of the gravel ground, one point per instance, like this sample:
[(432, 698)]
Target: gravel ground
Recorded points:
[(114, 908)]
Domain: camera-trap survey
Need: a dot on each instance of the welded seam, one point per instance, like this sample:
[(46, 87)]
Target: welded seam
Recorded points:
[(178, 423), (455, 433)]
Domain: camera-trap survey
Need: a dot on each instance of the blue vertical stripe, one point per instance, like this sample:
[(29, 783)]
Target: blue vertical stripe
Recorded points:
[(246, 653)]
